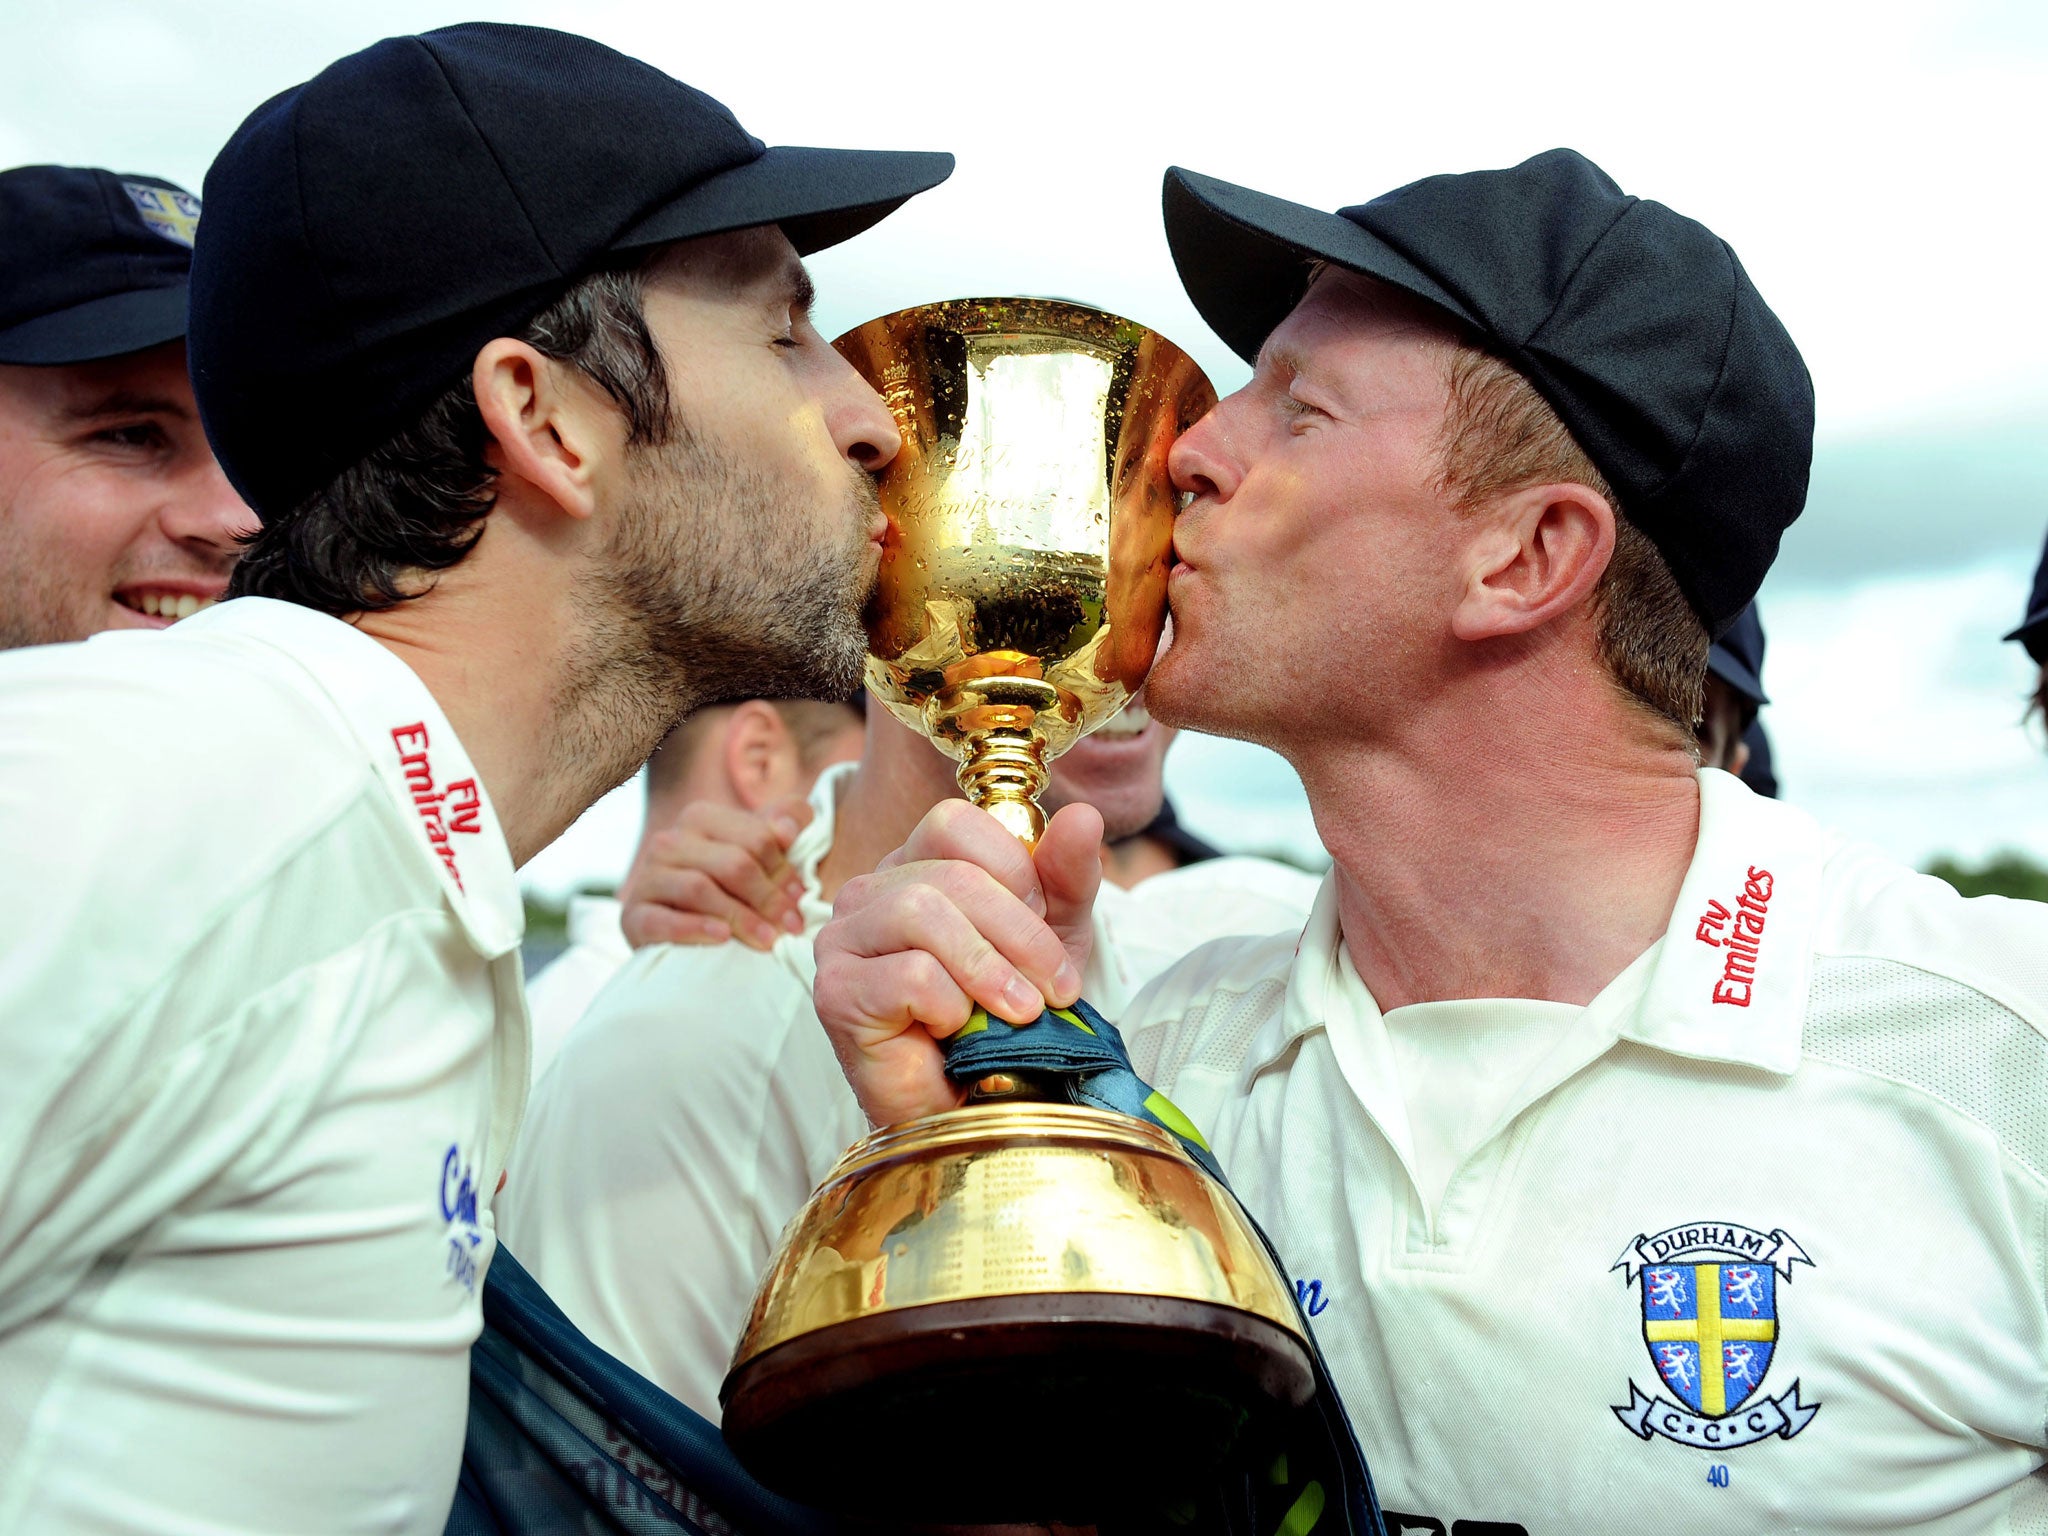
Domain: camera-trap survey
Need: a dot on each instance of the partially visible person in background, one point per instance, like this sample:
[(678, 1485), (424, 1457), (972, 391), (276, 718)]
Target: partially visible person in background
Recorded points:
[(750, 766), (1731, 735), (113, 513), (2033, 634), (697, 1102)]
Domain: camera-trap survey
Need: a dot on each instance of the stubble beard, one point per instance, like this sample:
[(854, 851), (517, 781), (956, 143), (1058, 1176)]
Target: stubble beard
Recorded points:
[(721, 582)]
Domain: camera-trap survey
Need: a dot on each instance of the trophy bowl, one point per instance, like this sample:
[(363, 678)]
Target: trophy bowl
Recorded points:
[(1016, 1266)]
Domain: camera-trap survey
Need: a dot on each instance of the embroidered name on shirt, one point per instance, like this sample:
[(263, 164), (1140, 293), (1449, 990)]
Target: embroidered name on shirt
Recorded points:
[(444, 809), (1740, 933)]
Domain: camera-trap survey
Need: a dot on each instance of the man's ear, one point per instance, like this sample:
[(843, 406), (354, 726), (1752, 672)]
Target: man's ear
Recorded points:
[(1538, 554), (762, 763), (544, 426)]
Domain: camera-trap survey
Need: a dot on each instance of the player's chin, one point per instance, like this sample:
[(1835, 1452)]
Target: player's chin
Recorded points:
[(1174, 694)]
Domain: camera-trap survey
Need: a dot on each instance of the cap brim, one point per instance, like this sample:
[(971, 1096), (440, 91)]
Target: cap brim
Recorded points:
[(819, 196), (2034, 636), (106, 327), (1737, 674), (1243, 256)]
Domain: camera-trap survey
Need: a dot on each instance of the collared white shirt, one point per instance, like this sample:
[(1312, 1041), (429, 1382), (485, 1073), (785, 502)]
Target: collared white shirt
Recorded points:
[(1756, 1245), (569, 983), (262, 1057), (693, 1108)]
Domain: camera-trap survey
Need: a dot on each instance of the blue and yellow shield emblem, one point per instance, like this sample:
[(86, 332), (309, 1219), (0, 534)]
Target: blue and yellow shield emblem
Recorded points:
[(1709, 1295), (174, 215), (1711, 1329)]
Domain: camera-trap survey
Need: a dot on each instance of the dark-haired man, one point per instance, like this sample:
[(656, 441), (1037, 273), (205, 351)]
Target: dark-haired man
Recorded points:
[(545, 451), (1646, 1158), (113, 514)]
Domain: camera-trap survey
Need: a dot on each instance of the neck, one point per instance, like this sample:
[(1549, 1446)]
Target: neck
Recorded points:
[(550, 723), (1468, 871), (1136, 859), (900, 777)]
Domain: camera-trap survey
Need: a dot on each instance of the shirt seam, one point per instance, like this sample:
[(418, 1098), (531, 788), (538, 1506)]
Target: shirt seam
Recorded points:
[(1982, 986)]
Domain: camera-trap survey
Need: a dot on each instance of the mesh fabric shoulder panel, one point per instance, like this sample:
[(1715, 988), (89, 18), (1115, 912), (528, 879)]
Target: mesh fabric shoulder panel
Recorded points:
[(1938, 1035)]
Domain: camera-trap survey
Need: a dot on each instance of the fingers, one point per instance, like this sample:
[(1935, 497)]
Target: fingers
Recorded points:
[(996, 951), (719, 863), (660, 900), (649, 922), (955, 829), (896, 1076)]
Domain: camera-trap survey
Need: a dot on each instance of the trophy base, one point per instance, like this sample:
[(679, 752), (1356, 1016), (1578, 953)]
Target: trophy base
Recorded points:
[(1013, 1409)]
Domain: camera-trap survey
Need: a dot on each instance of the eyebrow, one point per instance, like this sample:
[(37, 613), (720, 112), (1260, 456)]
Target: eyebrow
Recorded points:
[(125, 402), (797, 288)]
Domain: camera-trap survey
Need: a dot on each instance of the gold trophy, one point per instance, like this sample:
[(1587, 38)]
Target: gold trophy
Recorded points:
[(1015, 1273)]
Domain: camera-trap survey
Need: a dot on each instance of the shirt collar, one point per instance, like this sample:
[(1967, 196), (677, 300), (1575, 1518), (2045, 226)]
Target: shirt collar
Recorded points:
[(1727, 982), (414, 751)]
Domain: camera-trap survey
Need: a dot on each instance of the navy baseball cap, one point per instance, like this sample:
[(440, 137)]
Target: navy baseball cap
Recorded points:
[(1737, 658), (1637, 324), (93, 263), (2033, 630), (367, 232)]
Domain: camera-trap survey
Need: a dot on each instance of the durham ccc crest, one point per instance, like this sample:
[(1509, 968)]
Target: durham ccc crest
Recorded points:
[(1710, 1321), (174, 215)]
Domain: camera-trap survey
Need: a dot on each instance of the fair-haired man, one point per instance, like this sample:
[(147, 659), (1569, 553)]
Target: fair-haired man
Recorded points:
[(1644, 1154), (696, 1104), (747, 766), (113, 514), (545, 451)]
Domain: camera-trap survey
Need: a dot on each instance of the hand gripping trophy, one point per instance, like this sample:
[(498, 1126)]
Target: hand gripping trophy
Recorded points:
[(1032, 1269)]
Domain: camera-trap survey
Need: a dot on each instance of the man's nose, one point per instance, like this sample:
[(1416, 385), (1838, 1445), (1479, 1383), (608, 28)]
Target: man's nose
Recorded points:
[(862, 428), (205, 512), (1200, 461)]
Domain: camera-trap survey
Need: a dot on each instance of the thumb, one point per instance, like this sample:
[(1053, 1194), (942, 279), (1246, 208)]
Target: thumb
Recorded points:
[(1069, 863)]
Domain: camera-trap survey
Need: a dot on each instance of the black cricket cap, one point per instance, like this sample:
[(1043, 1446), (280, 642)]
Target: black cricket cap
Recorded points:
[(368, 231), (1737, 658), (93, 263), (1637, 324), (1759, 773), (2033, 630)]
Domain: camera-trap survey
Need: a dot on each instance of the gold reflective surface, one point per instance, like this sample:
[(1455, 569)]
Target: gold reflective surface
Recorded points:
[(1021, 598), (1005, 1200), (1023, 583)]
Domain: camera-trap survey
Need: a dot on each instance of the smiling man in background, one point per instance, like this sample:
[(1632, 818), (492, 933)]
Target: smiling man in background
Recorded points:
[(113, 513)]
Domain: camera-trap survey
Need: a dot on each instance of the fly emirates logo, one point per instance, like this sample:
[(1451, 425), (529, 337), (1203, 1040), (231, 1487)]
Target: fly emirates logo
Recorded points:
[(1740, 935), (443, 808)]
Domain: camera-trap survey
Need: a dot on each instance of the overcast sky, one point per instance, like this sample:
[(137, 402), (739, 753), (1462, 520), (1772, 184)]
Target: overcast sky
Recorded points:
[(1877, 167)]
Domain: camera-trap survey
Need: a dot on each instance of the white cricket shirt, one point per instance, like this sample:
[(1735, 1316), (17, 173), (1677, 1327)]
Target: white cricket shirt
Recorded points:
[(262, 1056), (569, 983), (693, 1108), (1756, 1244)]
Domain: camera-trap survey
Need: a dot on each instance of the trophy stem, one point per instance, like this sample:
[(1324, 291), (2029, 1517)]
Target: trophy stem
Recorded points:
[(1004, 773)]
